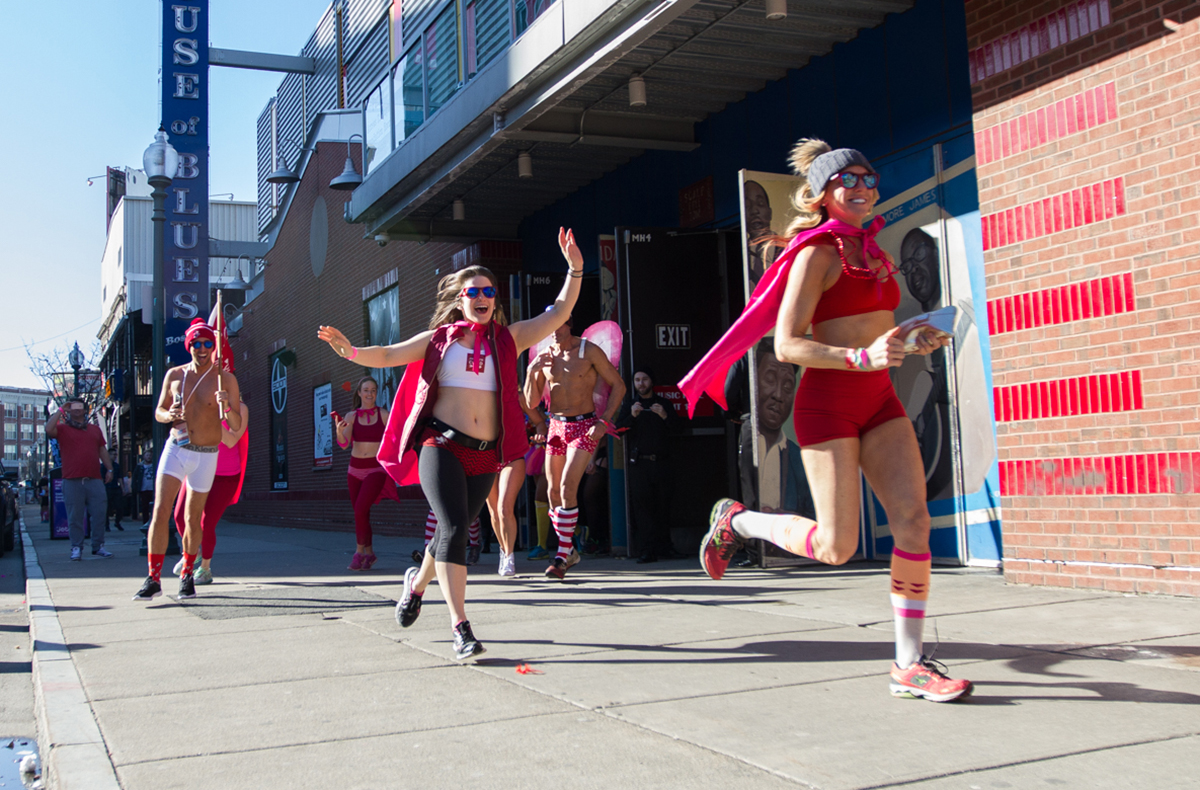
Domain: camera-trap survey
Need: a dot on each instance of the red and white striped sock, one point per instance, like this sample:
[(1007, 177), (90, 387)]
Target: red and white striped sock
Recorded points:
[(430, 527), (473, 533), (564, 527)]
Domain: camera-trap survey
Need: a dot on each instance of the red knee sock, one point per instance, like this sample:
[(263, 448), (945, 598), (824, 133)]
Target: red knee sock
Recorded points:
[(189, 563), (156, 561), (473, 533)]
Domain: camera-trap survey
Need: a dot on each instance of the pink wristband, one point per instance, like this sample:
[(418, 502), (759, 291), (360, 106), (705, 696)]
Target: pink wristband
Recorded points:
[(353, 352)]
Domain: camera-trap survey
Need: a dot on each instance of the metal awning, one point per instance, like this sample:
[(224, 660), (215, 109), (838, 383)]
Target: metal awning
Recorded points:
[(696, 56)]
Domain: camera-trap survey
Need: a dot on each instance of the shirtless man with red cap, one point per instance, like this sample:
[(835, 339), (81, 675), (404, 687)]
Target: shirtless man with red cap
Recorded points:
[(193, 404)]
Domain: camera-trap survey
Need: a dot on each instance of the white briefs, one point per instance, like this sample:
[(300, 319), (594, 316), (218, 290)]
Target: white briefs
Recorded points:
[(195, 466)]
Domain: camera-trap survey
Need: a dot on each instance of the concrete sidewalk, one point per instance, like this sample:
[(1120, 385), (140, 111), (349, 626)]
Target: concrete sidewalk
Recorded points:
[(290, 672)]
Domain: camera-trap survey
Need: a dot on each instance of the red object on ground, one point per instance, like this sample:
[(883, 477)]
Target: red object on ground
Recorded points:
[(525, 669)]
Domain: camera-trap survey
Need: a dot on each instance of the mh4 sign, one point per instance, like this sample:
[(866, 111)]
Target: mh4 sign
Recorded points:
[(185, 117)]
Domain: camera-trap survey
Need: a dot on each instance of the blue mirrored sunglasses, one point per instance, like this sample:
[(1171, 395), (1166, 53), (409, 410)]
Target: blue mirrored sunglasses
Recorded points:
[(203, 343), (850, 180), (474, 291)]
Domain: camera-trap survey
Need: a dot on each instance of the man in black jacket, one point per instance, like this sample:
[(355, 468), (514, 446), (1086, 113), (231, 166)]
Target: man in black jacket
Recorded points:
[(650, 420)]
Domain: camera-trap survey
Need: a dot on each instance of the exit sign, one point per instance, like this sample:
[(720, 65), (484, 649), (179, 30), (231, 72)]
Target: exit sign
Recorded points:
[(673, 336)]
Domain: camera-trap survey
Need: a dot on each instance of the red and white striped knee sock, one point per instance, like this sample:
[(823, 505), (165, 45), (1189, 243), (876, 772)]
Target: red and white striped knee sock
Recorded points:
[(473, 533), (564, 527), (430, 527)]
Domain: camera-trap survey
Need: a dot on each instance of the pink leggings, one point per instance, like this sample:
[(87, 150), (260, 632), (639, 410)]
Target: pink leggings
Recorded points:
[(364, 490), (219, 497)]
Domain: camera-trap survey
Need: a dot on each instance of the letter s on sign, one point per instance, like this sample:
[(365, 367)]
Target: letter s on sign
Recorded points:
[(185, 52), (185, 306)]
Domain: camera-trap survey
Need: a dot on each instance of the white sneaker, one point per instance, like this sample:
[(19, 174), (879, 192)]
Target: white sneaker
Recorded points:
[(508, 565), (76, 553), (178, 569)]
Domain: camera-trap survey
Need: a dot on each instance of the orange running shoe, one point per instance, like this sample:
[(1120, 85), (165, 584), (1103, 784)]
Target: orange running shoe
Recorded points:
[(927, 678), (721, 542)]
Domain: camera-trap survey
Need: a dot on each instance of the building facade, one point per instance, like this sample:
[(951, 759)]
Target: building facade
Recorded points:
[(1088, 151), (1044, 152), (24, 418)]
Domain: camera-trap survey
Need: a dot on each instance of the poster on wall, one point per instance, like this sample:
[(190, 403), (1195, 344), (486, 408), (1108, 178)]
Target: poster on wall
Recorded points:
[(932, 233), (770, 470), (322, 427), (279, 443), (383, 328)]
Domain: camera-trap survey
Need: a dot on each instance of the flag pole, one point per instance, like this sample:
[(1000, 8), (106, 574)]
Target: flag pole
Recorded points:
[(220, 333)]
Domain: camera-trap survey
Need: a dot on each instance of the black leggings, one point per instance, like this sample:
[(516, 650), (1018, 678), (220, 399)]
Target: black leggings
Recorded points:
[(454, 498)]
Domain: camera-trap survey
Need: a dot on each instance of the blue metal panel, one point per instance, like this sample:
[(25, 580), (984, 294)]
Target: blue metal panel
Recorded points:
[(813, 95), (919, 95), (864, 106), (768, 128), (957, 72)]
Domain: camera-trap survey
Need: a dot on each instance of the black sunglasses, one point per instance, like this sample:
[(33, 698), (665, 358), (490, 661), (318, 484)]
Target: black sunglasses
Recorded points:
[(850, 180)]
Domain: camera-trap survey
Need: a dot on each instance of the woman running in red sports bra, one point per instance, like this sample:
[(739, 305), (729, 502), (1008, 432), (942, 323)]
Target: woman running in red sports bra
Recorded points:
[(362, 432), (842, 286)]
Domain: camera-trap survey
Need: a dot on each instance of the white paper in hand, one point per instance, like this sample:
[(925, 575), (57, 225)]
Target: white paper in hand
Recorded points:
[(941, 321)]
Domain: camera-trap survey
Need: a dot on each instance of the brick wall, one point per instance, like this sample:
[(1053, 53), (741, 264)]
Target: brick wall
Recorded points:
[(287, 314), (1087, 123)]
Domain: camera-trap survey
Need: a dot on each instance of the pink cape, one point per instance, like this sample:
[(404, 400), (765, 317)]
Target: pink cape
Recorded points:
[(401, 467), (761, 312)]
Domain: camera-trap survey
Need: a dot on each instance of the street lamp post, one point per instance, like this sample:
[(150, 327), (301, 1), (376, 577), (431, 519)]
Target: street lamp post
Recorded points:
[(160, 162), (76, 360)]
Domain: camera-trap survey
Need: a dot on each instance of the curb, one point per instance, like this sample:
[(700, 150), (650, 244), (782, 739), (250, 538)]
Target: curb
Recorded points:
[(74, 754)]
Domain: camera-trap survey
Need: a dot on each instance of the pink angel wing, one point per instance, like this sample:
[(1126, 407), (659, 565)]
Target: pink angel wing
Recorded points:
[(607, 335)]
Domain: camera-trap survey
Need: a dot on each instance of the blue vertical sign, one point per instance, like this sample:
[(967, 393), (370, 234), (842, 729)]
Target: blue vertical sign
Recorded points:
[(185, 117)]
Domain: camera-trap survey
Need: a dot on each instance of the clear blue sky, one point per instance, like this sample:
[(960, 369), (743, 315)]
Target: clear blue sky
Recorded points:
[(79, 92)]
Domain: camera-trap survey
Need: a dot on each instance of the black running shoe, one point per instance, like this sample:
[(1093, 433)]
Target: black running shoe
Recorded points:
[(465, 643), (187, 587), (418, 556), (409, 607), (151, 589), (473, 555)]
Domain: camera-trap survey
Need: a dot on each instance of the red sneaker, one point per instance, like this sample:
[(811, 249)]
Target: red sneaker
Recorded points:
[(927, 678), (721, 542)]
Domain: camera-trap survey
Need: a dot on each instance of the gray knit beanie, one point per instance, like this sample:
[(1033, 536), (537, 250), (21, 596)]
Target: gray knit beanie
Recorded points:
[(830, 163)]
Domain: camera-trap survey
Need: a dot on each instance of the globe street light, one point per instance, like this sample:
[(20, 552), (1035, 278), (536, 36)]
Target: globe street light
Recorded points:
[(75, 358), (161, 162)]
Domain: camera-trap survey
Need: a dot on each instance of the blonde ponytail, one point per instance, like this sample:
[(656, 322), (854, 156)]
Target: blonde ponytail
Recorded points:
[(806, 202)]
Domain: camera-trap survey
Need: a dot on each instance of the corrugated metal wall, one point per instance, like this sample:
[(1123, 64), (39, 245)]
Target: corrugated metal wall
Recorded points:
[(265, 165), (368, 66), (299, 99)]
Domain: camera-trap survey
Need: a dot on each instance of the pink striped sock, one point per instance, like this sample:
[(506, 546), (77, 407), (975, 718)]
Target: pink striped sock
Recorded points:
[(565, 528), (430, 527), (473, 532)]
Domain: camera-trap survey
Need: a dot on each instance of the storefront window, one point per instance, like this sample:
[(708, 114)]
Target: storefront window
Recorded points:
[(528, 11), (441, 58), (378, 112), (408, 91), (383, 329)]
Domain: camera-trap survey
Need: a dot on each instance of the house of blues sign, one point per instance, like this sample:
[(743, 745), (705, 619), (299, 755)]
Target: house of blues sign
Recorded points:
[(185, 117)]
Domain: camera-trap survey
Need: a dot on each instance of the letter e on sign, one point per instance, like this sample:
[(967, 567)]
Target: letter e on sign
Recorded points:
[(673, 336)]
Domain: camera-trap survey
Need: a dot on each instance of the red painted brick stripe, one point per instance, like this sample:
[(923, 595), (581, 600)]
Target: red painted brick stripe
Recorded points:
[(1152, 473), (1044, 125), (1083, 206), (1035, 400), (1075, 302), (1073, 21)]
